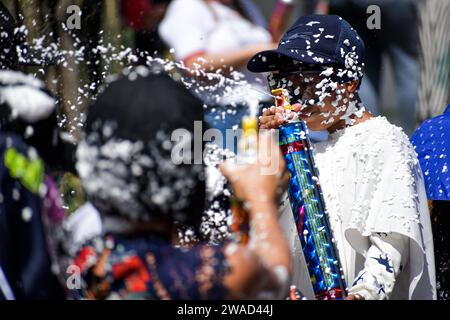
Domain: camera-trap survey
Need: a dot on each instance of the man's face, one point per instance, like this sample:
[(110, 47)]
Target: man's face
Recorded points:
[(323, 100)]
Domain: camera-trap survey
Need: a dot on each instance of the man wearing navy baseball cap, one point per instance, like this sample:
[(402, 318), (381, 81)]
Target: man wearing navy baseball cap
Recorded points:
[(370, 177), (314, 40), (322, 50)]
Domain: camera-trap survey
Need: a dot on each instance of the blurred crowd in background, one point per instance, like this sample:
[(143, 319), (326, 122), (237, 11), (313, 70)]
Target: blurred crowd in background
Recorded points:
[(399, 71)]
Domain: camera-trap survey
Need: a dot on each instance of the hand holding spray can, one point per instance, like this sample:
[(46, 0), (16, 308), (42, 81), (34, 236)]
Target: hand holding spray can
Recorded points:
[(308, 208)]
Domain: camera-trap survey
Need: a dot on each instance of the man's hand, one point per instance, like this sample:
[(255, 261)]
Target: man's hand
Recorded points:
[(354, 297), (274, 117)]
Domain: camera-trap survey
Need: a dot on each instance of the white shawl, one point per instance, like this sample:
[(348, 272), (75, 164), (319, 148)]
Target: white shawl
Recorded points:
[(372, 182)]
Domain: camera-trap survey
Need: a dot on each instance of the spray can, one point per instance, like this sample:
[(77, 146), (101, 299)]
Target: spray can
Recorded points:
[(308, 208)]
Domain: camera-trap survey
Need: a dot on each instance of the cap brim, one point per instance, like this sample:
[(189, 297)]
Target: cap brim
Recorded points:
[(281, 59)]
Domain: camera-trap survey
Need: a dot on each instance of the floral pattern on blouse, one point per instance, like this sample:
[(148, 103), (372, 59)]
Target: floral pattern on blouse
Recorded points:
[(119, 267)]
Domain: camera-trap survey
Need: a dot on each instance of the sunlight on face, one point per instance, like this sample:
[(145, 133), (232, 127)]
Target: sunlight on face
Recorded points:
[(324, 101)]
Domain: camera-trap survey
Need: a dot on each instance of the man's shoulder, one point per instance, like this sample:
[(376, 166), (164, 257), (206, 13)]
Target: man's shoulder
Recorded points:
[(392, 144), (381, 139), (380, 131), (373, 132)]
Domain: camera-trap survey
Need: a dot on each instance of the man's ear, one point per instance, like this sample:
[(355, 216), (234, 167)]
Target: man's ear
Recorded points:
[(353, 86)]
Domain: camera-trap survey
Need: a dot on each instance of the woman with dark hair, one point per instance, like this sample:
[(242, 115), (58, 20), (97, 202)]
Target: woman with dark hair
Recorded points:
[(135, 163)]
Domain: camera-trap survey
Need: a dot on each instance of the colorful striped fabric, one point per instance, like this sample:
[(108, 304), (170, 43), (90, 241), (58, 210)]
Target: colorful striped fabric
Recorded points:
[(308, 207)]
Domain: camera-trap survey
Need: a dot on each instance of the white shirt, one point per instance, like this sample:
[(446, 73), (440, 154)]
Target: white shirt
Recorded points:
[(84, 224), (196, 26), (374, 193)]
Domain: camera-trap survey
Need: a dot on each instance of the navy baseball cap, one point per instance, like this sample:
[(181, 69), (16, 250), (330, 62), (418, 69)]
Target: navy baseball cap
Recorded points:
[(313, 40)]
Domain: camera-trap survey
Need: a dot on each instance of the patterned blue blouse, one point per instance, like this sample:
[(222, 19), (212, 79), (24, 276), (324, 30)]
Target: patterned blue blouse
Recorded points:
[(432, 143), (148, 267)]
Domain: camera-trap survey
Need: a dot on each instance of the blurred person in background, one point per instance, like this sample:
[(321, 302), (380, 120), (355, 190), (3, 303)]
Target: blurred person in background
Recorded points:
[(32, 149), (432, 144), (220, 36), (144, 16), (127, 163), (397, 38)]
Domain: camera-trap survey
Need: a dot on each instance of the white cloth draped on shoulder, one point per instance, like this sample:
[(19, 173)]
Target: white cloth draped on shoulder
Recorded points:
[(373, 185)]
